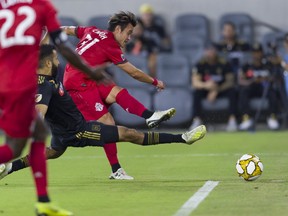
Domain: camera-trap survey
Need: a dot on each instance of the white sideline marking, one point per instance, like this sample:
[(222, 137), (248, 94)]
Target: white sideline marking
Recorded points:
[(196, 199)]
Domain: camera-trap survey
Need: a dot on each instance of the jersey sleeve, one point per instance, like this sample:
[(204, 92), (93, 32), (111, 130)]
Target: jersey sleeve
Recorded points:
[(80, 30), (198, 68), (51, 21), (44, 94), (116, 55)]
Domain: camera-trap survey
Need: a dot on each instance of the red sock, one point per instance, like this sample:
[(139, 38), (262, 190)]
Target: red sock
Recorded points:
[(6, 153), (111, 153), (37, 161), (129, 103)]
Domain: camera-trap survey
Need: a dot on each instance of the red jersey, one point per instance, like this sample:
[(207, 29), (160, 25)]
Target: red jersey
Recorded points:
[(96, 47), (21, 24)]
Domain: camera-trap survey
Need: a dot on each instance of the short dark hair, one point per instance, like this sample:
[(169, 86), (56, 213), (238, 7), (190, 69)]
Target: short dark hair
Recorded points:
[(123, 19), (46, 50), (230, 24)]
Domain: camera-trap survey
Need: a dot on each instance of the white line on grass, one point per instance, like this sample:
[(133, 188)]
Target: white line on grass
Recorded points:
[(80, 157), (196, 199)]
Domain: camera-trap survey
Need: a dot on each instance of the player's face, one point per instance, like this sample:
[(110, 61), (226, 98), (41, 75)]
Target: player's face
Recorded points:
[(228, 32), (210, 54), (55, 63), (257, 56), (124, 36)]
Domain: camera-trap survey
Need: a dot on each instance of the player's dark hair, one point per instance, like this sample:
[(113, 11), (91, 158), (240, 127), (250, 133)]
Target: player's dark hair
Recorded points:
[(230, 24), (46, 50), (123, 19)]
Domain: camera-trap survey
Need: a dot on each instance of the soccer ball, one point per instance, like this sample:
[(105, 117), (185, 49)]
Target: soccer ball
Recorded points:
[(249, 167)]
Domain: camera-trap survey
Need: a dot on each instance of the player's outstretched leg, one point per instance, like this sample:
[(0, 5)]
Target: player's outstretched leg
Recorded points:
[(132, 105), (19, 164), (160, 116), (8, 151), (154, 138)]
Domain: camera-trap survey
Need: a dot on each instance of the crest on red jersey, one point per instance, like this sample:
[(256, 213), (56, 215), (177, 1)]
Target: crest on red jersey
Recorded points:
[(123, 57)]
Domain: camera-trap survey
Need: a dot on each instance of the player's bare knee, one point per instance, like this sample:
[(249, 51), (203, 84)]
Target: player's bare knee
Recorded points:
[(16, 145), (111, 98), (107, 119)]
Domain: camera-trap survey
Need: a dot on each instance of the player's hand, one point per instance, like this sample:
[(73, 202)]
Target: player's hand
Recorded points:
[(212, 95), (160, 85), (210, 85)]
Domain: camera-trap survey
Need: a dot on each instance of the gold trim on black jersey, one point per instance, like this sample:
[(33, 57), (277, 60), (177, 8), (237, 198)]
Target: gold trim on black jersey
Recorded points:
[(88, 135), (41, 79)]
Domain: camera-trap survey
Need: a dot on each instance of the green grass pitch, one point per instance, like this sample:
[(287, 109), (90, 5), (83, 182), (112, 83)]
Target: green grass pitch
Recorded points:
[(166, 176)]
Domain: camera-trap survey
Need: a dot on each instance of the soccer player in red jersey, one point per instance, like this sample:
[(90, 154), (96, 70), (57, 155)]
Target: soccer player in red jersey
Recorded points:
[(97, 46), (21, 24)]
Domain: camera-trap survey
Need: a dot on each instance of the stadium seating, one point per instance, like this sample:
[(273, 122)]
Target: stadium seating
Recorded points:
[(69, 21), (100, 22), (179, 98), (174, 70), (159, 20), (220, 104), (256, 103), (189, 45), (123, 118), (124, 80), (274, 39), (197, 24), (244, 25)]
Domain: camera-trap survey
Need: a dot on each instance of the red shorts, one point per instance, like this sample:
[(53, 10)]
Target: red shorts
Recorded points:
[(17, 112), (91, 100)]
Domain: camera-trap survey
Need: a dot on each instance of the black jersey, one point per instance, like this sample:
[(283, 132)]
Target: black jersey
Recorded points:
[(62, 115), (216, 72), (238, 46)]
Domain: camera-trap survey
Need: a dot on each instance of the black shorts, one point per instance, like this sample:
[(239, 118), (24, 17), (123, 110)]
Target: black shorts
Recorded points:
[(94, 134)]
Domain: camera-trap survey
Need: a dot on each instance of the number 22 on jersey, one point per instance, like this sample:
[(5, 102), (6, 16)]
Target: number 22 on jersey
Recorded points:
[(18, 37)]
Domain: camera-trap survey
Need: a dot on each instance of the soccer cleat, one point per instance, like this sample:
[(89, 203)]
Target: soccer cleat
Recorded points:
[(246, 123), (194, 135), (4, 169), (160, 116), (48, 209), (120, 174), (231, 125), (272, 123)]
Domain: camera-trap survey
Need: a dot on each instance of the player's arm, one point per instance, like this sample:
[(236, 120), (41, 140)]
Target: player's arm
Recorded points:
[(229, 82), (69, 30), (43, 97), (139, 75), (45, 39), (41, 109), (197, 82), (60, 40)]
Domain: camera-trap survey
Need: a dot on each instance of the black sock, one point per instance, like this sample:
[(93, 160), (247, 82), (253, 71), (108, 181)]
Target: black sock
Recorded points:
[(147, 114), (115, 167), (19, 164), (43, 199), (152, 138)]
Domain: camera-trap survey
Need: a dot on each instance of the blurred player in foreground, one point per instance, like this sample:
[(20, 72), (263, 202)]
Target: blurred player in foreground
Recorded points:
[(93, 99), (21, 24), (69, 127)]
